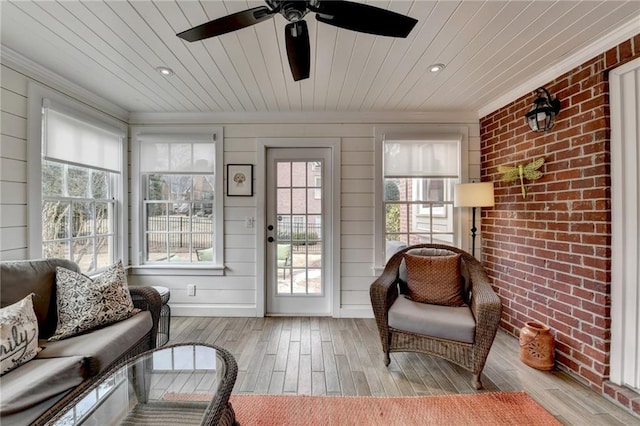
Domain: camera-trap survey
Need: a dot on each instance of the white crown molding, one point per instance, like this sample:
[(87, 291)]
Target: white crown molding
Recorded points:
[(37, 72), (614, 38), (350, 117)]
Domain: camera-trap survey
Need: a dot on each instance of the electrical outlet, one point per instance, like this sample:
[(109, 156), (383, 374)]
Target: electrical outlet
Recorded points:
[(191, 290), (249, 222)]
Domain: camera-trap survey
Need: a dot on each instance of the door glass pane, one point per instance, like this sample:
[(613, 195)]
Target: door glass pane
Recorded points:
[(299, 232), (284, 174), (284, 201), (284, 228), (314, 201), (299, 196), (299, 174)]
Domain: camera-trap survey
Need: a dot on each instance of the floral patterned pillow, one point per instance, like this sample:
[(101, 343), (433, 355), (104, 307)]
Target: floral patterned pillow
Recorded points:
[(85, 304), (18, 334), (434, 279)]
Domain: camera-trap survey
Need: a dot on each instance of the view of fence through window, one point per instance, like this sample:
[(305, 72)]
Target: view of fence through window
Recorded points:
[(179, 218), (299, 227)]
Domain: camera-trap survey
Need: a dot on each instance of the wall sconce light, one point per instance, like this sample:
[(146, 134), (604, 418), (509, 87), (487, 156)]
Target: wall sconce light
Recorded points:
[(542, 114)]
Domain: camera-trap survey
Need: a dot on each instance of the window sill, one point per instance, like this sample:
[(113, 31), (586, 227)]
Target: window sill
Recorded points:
[(185, 269)]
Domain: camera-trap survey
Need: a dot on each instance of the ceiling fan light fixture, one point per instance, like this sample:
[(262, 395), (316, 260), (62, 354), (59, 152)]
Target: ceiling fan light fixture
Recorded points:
[(165, 71), (436, 68), (541, 116)]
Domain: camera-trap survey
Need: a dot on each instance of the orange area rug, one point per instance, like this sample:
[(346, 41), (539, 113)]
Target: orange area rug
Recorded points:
[(495, 408)]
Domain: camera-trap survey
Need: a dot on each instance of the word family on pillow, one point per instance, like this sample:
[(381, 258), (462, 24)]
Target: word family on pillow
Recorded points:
[(85, 304), (434, 279), (18, 334)]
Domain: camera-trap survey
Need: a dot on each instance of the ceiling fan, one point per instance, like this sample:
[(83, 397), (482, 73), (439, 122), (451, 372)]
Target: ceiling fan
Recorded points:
[(344, 14)]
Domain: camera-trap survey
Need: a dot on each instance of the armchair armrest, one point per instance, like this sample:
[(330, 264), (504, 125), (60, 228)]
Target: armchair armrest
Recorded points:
[(383, 292), (148, 299), (485, 305)]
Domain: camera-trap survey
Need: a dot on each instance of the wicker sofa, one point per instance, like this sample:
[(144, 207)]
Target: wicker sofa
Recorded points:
[(479, 326), (36, 390)]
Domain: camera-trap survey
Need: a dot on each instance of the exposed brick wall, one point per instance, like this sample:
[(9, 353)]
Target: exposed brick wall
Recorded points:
[(549, 255)]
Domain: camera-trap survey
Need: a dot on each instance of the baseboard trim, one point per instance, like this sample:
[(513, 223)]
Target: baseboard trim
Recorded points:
[(356, 313), (185, 310)]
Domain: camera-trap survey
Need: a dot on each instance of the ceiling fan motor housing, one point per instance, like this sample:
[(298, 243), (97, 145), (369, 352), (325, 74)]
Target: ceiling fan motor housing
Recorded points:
[(292, 10)]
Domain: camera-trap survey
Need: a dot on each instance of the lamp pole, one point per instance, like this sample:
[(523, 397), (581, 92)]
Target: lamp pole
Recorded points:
[(473, 231)]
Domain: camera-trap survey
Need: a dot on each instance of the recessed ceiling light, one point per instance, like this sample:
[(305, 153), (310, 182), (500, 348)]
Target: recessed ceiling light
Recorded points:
[(436, 67), (165, 71)]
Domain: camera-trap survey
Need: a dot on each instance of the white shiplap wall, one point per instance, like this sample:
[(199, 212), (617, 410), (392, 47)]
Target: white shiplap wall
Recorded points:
[(13, 165), (234, 294)]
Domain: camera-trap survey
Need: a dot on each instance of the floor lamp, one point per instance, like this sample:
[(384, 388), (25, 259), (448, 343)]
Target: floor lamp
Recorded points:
[(473, 195)]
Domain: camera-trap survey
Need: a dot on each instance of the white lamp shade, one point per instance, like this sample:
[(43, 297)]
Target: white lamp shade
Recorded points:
[(473, 195)]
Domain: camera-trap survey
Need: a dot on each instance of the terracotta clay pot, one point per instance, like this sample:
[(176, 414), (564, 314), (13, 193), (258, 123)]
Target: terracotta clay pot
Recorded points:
[(537, 346)]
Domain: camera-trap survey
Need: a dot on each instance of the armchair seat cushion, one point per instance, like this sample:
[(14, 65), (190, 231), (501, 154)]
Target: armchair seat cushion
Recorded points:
[(444, 322)]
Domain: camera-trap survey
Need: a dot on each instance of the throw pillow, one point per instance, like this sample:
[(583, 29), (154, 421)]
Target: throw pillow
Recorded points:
[(18, 334), (84, 304), (434, 279)]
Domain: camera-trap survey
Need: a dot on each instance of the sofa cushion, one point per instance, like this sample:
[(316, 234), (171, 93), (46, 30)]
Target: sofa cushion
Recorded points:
[(434, 279), (21, 277), (18, 334), (84, 304), (31, 414), (104, 345), (445, 322), (39, 380)]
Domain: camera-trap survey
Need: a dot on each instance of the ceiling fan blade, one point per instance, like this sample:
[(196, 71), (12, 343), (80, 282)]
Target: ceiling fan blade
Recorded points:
[(298, 50), (227, 24), (364, 18)]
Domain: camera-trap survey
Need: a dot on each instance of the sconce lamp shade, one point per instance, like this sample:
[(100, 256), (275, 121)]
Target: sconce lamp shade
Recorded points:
[(473, 195), (542, 115)]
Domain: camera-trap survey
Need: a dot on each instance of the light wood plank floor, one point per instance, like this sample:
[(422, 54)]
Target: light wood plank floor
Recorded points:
[(325, 356)]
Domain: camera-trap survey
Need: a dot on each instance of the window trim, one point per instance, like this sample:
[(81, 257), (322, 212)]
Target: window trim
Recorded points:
[(459, 133), (37, 94), (137, 229)]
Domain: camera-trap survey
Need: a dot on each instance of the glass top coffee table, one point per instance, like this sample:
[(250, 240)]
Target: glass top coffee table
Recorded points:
[(182, 384)]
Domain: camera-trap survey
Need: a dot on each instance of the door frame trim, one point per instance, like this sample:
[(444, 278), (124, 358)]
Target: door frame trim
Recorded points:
[(333, 244)]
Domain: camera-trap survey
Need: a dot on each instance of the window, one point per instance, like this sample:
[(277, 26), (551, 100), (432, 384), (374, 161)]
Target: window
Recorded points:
[(77, 181), (417, 178), (78, 208), (180, 206)]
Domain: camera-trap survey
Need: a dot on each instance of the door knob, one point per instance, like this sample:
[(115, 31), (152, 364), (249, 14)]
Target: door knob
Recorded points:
[(270, 239), (270, 227)]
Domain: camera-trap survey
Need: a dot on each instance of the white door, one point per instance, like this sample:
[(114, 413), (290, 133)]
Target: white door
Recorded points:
[(298, 211), (625, 224)]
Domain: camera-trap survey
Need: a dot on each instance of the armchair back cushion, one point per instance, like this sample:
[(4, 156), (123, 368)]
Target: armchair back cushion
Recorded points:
[(434, 279)]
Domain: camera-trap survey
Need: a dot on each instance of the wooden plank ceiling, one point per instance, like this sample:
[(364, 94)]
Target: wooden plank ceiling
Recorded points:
[(112, 48)]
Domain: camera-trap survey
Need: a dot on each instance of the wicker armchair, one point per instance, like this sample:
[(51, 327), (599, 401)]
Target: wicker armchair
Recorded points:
[(483, 302)]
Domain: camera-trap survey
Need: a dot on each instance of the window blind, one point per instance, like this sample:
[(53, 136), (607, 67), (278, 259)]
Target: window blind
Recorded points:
[(191, 153), (74, 139), (421, 158)]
